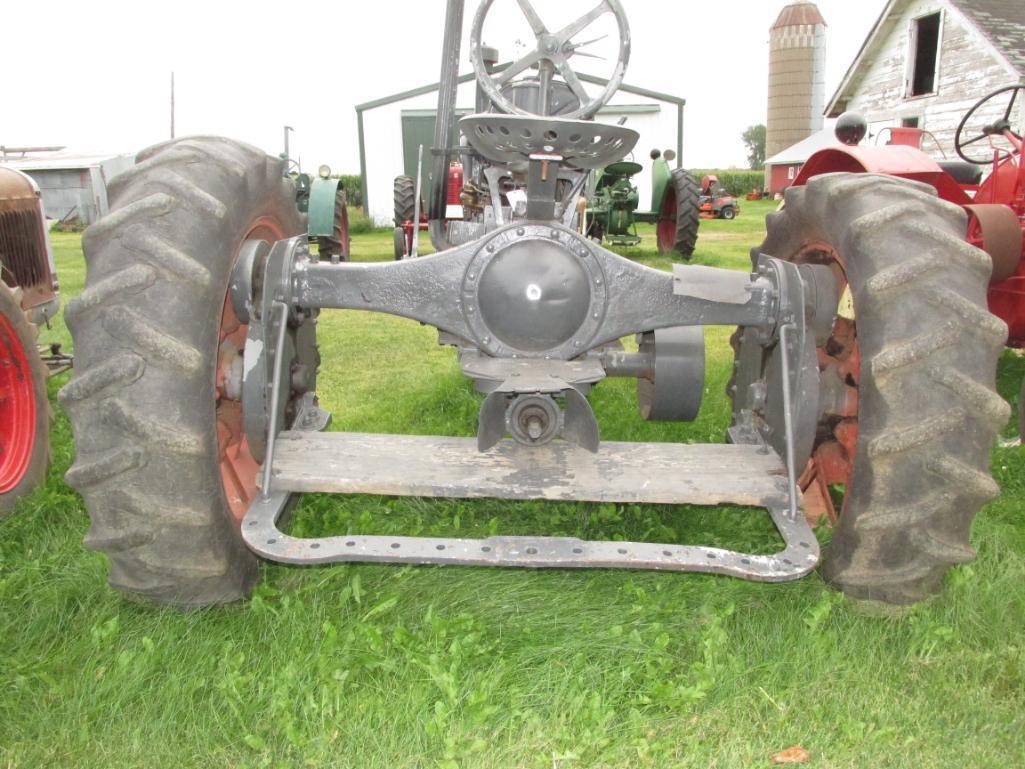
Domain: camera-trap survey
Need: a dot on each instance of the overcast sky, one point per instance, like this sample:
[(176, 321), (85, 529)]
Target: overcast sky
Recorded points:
[(95, 76)]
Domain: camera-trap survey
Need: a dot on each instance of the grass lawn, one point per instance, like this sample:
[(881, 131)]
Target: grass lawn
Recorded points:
[(370, 666)]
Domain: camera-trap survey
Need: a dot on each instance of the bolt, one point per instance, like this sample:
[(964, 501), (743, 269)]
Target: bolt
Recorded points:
[(471, 276), (487, 340), (520, 231), (597, 281), (555, 234), (491, 248)]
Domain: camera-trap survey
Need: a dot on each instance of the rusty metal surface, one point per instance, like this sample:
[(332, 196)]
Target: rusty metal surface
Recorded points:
[(796, 560), (24, 254), (17, 191)]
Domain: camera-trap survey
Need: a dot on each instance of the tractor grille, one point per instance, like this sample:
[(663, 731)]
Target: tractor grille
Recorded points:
[(23, 260)]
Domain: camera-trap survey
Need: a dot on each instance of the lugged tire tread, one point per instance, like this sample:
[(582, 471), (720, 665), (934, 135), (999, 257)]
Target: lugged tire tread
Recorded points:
[(688, 212), (929, 409), (404, 199), (141, 399)]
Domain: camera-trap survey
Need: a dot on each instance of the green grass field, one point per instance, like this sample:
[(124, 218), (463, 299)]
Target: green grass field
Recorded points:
[(369, 666)]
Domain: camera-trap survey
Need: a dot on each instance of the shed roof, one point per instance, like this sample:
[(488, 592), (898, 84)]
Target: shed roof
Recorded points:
[(797, 14), (57, 161), (800, 152)]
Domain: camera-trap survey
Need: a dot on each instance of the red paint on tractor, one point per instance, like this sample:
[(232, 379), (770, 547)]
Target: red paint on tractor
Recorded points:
[(455, 185), (1005, 186), (239, 469), (665, 230), (17, 408)]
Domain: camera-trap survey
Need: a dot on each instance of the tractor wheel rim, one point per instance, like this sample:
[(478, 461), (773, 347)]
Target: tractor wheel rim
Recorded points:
[(17, 408), (666, 228), (238, 467), (832, 460)]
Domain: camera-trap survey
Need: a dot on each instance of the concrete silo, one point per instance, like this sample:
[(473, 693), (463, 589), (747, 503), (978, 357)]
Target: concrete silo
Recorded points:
[(797, 76)]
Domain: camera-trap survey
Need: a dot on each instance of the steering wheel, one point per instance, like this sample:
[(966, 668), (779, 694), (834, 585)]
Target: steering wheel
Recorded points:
[(996, 128), (552, 55)]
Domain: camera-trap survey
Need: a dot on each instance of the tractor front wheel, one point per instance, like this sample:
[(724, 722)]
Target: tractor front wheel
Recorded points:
[(162, 457), (24, 409), (909, 410), (677, 227)]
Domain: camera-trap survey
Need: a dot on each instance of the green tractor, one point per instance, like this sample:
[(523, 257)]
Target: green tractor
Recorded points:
[(323, 203), (612, 213)]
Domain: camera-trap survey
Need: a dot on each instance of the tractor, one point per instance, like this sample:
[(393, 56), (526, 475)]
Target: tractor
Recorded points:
[(323, 203), (28, 298), (612, 213), (409, 208), (992, 213), (715, 202), (194, 400)]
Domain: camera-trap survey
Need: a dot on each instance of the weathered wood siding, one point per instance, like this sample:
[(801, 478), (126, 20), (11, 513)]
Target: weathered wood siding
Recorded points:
[(968, 71)]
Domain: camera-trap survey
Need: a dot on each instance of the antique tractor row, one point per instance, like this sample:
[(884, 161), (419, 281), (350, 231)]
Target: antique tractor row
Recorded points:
[(194, 399), (28, 298)]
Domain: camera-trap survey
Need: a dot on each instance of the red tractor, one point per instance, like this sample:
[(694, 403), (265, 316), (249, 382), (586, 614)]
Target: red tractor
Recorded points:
[(994, 221), (28, 297), (409, 207)]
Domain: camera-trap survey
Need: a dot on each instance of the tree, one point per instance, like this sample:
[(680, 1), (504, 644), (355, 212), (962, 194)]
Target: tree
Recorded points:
[(754, 140)]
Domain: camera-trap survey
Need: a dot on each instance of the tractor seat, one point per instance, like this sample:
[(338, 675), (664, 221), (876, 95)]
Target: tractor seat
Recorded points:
[(509, 139), (963, 173)]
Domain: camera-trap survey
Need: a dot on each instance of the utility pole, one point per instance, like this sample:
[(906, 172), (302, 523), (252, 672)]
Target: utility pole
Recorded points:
[(172, 105)]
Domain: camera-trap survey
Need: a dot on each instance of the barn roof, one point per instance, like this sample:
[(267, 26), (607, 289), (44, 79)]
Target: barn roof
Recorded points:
[(1001, 23)]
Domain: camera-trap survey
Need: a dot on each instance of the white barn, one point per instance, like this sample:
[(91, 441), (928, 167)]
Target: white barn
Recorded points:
[(926, 62), (387, 125)]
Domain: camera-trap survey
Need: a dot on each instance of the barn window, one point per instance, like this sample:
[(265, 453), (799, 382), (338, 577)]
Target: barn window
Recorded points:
[(909, 122), (924, 50)]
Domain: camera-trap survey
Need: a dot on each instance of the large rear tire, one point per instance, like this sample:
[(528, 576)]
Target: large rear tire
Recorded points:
[(154, 454), (24, 409), (404, 199), (679, 219), (918, 412)]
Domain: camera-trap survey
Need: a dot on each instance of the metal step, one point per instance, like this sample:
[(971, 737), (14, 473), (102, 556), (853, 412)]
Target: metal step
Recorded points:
[(429, 466)]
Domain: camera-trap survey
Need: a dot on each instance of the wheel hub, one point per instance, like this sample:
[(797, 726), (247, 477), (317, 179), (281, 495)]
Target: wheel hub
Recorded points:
[(534, 291), (534, 296)]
